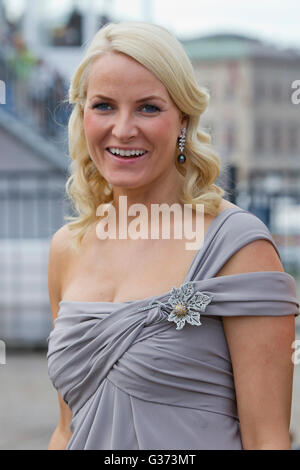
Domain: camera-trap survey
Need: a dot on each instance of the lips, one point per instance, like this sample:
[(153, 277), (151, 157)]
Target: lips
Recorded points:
[(126, 159)]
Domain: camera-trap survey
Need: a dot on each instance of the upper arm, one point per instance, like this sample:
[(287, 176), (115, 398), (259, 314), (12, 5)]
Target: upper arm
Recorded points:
[(57, 265), (58, 257), (260, 350)]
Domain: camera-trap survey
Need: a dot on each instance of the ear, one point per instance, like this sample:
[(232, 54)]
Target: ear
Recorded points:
[(184, 120)]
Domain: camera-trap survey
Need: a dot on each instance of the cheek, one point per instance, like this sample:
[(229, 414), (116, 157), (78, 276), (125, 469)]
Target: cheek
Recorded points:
[(164, 132), (91, 126)]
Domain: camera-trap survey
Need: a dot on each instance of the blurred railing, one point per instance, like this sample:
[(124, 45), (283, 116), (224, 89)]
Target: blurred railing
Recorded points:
[(32, 208)]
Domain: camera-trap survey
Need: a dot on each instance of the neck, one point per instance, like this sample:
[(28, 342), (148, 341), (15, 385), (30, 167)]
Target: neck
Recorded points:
[(167, 192)]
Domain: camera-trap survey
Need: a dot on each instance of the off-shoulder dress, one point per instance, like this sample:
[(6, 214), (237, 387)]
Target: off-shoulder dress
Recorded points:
[(156, 373)]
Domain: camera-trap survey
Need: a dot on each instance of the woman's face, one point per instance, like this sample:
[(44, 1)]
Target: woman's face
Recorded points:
[(129, 109)]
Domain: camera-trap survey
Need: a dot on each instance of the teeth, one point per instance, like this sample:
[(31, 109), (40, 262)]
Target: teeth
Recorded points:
[(126, 153)]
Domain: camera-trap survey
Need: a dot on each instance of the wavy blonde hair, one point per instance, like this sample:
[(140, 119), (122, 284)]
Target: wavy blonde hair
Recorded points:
[(162, 54)]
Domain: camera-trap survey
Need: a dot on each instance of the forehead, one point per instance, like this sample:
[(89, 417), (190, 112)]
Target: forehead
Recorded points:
[(118, 73)]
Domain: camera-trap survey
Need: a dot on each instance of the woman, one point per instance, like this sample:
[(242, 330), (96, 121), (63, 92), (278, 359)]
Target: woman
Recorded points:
[(134, 363)]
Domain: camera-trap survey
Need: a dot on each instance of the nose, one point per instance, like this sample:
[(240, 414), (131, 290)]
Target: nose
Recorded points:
[(124, 127)]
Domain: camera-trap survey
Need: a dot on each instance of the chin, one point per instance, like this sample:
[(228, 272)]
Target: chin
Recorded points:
[(125, 183)]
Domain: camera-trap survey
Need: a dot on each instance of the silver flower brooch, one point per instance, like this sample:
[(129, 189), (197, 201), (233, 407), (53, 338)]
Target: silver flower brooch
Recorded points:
[(187, 305)]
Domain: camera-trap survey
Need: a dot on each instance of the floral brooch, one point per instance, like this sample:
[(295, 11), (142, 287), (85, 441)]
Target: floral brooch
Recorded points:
[(186, 304)]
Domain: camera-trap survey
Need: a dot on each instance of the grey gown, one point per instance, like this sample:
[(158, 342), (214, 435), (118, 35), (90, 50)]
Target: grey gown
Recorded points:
[(156, 373)]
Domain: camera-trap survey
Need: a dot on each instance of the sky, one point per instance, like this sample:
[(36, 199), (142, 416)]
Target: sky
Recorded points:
[(272, 20)]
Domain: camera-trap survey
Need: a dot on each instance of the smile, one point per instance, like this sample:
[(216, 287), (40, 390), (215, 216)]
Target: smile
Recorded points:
[(126, 153)]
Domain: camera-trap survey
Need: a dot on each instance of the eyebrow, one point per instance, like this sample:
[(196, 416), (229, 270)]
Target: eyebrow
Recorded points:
[(151, 97)]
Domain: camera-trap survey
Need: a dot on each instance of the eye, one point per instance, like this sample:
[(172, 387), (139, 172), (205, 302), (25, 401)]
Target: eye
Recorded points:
[(102, 106), (150, 108)]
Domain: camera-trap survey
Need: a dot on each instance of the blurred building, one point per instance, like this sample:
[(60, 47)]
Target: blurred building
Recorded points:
[(254, 123)]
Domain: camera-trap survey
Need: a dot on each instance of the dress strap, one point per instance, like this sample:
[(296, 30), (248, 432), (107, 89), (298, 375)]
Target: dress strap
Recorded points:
[(234, 230)]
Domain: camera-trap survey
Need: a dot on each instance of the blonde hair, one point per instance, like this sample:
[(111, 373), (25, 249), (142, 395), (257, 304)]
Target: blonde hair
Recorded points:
[(161, 53)]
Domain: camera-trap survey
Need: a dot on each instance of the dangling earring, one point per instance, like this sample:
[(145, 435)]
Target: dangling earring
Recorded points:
[(181, 158)]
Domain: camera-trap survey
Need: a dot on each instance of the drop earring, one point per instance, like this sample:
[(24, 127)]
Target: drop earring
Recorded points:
[(181, 158)]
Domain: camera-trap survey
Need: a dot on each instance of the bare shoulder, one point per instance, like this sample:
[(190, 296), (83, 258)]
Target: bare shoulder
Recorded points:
[(258, 255), (60, 242)]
